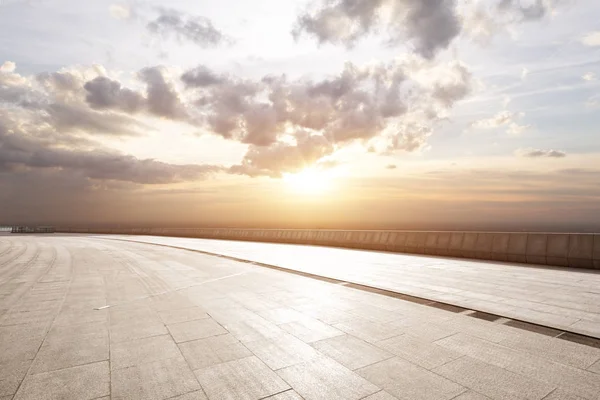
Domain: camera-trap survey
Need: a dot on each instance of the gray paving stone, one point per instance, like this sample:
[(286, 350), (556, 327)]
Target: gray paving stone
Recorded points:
[(141, 351), (155, 380), (560, 394), (78, 383), (493, 381), (213, 350), (196, 329), (282, 351), (136, 330), (182, 315), (195, 395), (65, 354), (471, 395), (253, 329), (595, 368), (425, 354), (287, 395), (405, 380), (310, 330), (562, 351), (12, 375), (381, 395), (371, 332), (322, 378), (20, 350), (247, 378), (351, 352), (77, 332), (281, 315)]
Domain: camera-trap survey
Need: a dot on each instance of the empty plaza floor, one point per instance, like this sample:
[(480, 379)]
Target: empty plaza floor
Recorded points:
[(97, 318)]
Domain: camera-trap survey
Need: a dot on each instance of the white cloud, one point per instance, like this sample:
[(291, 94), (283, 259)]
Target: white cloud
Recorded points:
[(524, 73), (8, 66), (502, 118), (515, 129), (119, 11), (590, 76), (592, 39)]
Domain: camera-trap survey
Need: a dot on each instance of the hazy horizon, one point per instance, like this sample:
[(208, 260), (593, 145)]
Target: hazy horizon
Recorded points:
[(395, 114)]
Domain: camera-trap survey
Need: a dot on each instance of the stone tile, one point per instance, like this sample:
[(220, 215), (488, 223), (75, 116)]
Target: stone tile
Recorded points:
[(425, 354), (247, 378), (141, 351), (12, 375), (561, 351), (351, 352), (197, 329), (381, 395), (282, 351), (252, 329), (560, 394), (195, 395), (405, 380), (287, 395), (20, 350), (368, 331), (26, 317), (182, 315), (213, 350), (72, 318), (471, 395), (153, 381), (323, 378), (282, 315), (310, 330), (77, 332), (78, 383), (590, 328), (493, 381), (137, 330), (64, 354), (595, 368)]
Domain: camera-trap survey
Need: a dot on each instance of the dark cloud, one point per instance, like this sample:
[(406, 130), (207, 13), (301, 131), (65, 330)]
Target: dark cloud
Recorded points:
[(198, 30), (104, 93), (201, 76), (18, 150), (358, 104), (429, 24), (538, 153), (282, 158), (162, 98)]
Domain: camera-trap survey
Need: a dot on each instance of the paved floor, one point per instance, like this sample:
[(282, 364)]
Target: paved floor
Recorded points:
[(87, 318), (567, 299)]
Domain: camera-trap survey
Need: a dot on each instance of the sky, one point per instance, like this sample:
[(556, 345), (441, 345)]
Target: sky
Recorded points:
[(344, 114)]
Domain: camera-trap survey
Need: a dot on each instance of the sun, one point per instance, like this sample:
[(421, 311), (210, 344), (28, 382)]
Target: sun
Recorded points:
[(309, 181)]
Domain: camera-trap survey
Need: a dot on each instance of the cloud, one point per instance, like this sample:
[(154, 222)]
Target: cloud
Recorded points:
[(514, 129), (503, 118), (119, 11), (592, 39), (104, 93), (198, 30), (429, 25), (391, 166), (589, 76), (17, 150), (8, 66), (162, 97), (200, 77), (426, 26), (359, 103), (538, 153), (280, 158)]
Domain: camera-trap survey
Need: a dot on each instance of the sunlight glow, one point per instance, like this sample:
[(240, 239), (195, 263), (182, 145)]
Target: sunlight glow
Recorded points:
[(309, 181)]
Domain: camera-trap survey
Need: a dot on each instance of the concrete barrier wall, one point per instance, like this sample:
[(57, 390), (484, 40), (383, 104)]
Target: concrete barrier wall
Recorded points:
[(557, 249)]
